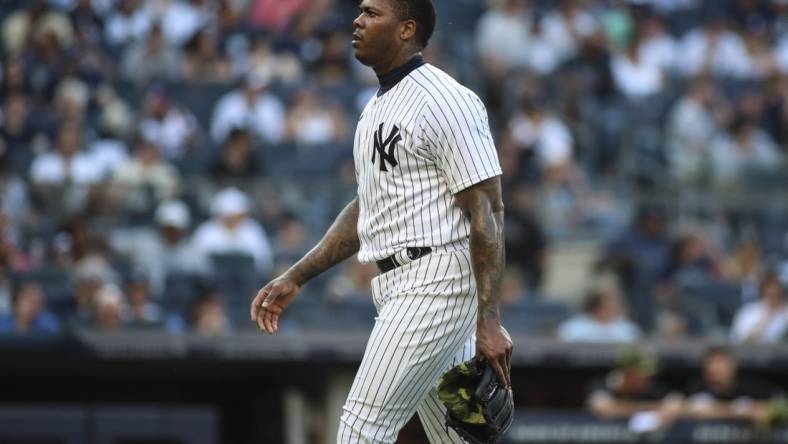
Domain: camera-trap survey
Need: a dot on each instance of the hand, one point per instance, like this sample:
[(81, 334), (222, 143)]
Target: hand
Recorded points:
[(494, 344), (271, 301)]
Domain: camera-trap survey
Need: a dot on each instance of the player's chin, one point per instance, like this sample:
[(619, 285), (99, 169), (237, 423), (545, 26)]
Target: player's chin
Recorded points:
[(361, 56)]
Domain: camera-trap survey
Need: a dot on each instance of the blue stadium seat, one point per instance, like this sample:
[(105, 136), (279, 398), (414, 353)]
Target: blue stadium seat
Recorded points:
[(534, 316)]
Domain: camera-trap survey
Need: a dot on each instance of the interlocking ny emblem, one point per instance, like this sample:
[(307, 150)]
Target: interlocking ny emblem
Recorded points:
[(380, 147)]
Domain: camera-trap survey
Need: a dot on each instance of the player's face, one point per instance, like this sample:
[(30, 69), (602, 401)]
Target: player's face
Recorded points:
[(376, 33)]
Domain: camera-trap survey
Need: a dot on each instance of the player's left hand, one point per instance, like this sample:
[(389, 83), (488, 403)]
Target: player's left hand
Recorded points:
[(495, 345)]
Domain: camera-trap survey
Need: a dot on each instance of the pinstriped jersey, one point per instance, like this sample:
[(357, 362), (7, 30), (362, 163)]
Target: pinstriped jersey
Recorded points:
[(417, 145)]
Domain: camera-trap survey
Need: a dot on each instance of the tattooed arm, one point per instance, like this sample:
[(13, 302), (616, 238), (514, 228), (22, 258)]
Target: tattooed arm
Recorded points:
[(483, 206), (339, 243)]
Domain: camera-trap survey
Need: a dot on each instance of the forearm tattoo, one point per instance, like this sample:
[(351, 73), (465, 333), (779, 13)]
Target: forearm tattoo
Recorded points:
[(339, 243)]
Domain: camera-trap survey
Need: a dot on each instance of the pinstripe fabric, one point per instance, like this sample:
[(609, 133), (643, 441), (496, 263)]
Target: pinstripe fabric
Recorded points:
[(426, 323), (443, 145)]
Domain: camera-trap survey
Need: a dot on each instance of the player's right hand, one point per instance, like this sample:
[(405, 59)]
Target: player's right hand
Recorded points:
[(271, 301)]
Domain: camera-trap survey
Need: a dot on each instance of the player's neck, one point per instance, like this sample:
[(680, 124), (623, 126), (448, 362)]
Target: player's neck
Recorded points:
[(392, 76)]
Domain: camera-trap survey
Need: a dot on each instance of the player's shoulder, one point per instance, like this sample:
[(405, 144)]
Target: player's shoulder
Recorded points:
[(437, 86)]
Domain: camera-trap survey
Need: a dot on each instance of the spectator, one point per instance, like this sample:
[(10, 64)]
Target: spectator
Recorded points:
[(250, 107), (144, 180), (746, 148), (692, 262), (692, 125), (231, 230), (126, 23), (603, 320), (312, 121), (631, 389), (567, 27), (502, 36), (636, 76), (209, 317), (16, 133), (164, 251), (547, 138), (261, 61), (237, 161), (69, 164), (721, 381), (172, 128), (89, 277), (151, 59), (180, 19), (714, 49), (29, 314), (139, 311), (766, 320), (109, 150), (722, 393), (34, 23), (526, 241), (203, 62), (108, 308)]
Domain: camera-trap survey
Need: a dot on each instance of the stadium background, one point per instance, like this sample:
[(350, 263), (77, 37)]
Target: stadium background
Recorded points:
[(160, 159)]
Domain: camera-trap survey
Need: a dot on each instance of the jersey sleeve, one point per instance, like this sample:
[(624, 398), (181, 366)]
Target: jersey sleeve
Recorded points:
[(458, 134)]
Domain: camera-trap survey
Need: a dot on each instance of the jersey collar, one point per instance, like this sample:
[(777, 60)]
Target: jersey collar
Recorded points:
[(391, 78)]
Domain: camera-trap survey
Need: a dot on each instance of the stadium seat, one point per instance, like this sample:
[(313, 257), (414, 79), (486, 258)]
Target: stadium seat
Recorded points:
[(534, 316)]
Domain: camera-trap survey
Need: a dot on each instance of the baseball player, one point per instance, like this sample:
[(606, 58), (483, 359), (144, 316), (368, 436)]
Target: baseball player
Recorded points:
[(429, 212)]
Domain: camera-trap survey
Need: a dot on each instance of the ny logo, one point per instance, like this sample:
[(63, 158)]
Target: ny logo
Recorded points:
[(380, 147)]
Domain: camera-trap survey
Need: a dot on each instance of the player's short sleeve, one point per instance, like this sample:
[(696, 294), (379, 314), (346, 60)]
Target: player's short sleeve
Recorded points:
[(457, 130)]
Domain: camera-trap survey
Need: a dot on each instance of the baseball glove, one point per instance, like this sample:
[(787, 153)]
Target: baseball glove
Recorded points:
[(478, 406)]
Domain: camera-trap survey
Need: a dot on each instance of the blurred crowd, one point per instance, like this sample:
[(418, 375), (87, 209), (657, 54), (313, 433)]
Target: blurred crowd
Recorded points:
[(160, 159)]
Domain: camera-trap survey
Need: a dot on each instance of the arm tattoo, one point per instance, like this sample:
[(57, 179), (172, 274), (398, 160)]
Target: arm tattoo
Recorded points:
[(339, 243), (482, 205)]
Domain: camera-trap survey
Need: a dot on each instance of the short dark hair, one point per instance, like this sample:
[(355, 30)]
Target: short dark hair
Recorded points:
[(420, 11)]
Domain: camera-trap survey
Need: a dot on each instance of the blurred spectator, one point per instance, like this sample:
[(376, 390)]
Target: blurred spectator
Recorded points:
[(237, 160), (89, 277), (143, 180), (312, 121), (546, 138), (332, 66), (603, 320), (691, 126), (180, 19), (68, 163), (565, 29), (722, 393), (292, 242), (29, 313), (502, 36), (745, 148), (692, 263), (714, 49), (276, 15), (261, 61), (209, 316), (631, 389), (16, 133), (231, 230), (109, 150), (164, 250), (151, 59), (172, 128), (766, 320), (108, 309), (636, 76), (251, 107), (656, 46), (34, 23), (139, 311), (203, 62), (720, 381), (127, 22)]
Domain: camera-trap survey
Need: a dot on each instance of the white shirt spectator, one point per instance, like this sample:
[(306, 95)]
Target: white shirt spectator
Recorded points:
[(172, 133), (550, 137), (232, 231), (757, 315), (636, 78), (583, 328), (108, 155), (124, 27), (659, 51), (726, 56), (52, 168), (781, 54), (504, 36), (690, 129), (561, 31), (730, 158), (180, 19), (265, 116)]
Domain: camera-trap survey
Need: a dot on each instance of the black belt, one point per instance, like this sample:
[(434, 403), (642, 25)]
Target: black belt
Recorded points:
[(392, 262)]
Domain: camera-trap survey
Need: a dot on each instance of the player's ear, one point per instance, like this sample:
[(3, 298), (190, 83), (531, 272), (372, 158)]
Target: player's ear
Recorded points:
[(407, 30)]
